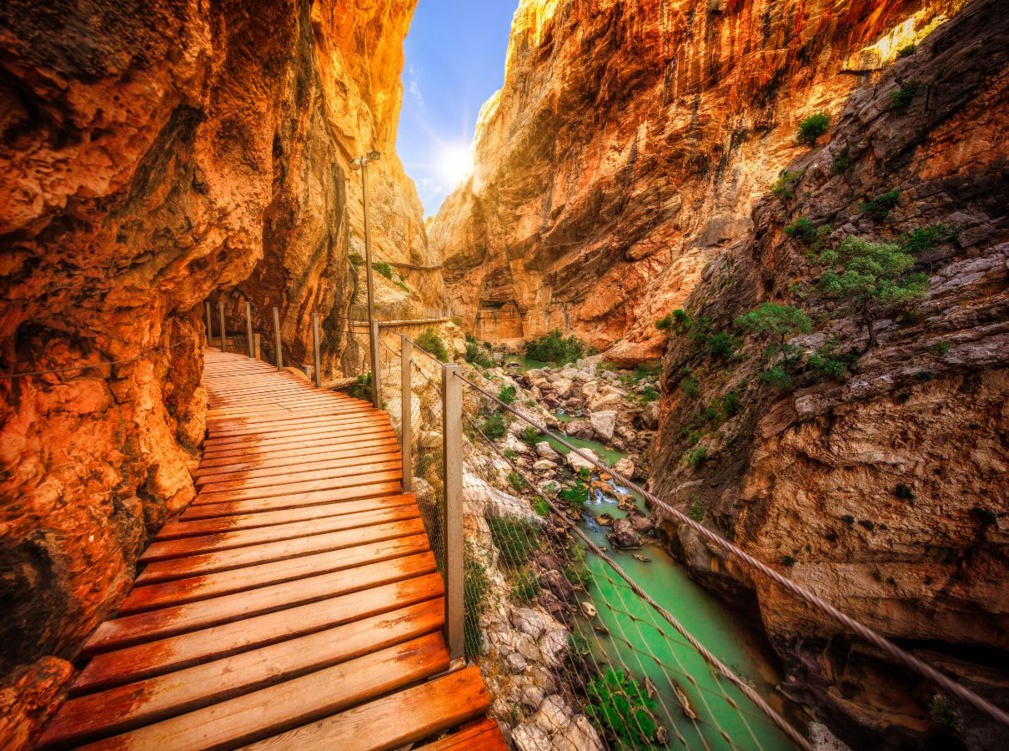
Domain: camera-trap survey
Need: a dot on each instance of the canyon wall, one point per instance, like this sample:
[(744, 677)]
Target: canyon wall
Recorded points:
[(629, 144), (879, 483), (150, 154)]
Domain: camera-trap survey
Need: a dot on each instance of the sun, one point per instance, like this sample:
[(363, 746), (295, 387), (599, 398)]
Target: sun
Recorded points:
[(455, 164)]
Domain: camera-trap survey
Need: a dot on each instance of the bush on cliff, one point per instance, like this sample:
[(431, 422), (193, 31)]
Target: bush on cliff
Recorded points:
[(812, 128), (555, 347), (621, 709), (431, 343)]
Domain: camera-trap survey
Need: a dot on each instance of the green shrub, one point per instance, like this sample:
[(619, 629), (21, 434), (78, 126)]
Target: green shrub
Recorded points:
[(942, 716), (478, 356), (812, 128), (650, 395), (879, 207), (494, 426), (868, 524), (776, 377), (926, 238), (696, 457), (940, 349), (361, 388), (516, 481), (721, 346), (577, 572), (826, 364), (848, 519), (696, 510), (787, 560), (356, 259), (730, 404), (620, 709), (382, 268), (907, 50), (530, 436), (803, 230), (476, 587), (678, 322), (541, 507), (841, 161), (986, 517), (576, 493), (775, 322), (578, 644), (515, 539), (784, 186), (431, 343), (903, 492), (554, 347), (872, 279), (525, 586), (690, 384), (507, 394), (901, 98)]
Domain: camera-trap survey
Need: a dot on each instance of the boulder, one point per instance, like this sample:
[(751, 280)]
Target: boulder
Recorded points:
[(640, 522), (600, 402), (546, 451), (623, 536), (544, 465), (580, 429), (625, 467), (576, 462), (604, 423), (650, 415), (562, 387)]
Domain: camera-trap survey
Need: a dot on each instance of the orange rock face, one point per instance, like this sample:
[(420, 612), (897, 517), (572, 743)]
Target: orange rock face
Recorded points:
[(151, 153), (629, 145), (880, 487)]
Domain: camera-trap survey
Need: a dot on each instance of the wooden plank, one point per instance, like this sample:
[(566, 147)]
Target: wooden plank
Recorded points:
[(333, 437), (178, 652), (271, 459), (358, 492), (161, 550), (294, 488), (145, 597), (233, 425), (478, 735), (253, 555), (134, 629), (99, 715), (177, 529), (297, 429), (393, 721), (310, 464), (278, 708), (315, 473)]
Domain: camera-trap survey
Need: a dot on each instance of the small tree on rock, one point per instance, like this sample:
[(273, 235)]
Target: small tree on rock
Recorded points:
[(873, 279), (776, 324)]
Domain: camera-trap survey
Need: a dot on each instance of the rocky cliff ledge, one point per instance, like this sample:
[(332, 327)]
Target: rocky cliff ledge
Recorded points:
[(871, 472), (629, 145), (149, 154)]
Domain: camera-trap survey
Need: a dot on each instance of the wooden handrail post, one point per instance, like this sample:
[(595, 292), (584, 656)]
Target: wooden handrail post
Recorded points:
[(277, 344), (406, 411), (317, 357), (210, 323), (248, 328), (376, 367), (452, 531), (224, 335)]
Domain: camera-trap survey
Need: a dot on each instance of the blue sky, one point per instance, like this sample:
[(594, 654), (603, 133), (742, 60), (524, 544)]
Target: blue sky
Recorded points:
[(455, 58)]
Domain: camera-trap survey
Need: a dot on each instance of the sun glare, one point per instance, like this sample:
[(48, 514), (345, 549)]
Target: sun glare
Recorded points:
[(456, 164)]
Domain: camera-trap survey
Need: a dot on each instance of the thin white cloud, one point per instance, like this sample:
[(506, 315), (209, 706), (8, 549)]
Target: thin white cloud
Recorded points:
[(431, 186), (416, 93)]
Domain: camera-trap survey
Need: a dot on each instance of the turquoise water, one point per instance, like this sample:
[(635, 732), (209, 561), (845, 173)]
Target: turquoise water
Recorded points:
[(635, 640), (526, 363)]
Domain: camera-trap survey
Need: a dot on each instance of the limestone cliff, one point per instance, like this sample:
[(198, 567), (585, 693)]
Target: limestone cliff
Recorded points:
[(629, 144), (151, 153), (873, 474)]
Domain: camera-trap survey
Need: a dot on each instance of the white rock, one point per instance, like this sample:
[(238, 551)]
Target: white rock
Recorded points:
[(516, 663), (422, 489), (513, 443), (545, 450), (602, 402), (528, 737), (579, 736), (554, 714), (544, 465), (488, 501), (576, 462), (822, 739), (430, 439), (604, 423), (528, 621), (563, 386)]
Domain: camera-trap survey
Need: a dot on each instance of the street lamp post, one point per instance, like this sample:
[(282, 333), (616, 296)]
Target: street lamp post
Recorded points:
[(361, 163)]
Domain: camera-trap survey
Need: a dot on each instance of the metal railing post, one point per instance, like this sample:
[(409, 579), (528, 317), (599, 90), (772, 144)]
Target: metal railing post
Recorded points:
[(278, 347), (248, 328), (224, 335), (406, 409), (376, 367), (452, 531), (210, 323), (315, 350)]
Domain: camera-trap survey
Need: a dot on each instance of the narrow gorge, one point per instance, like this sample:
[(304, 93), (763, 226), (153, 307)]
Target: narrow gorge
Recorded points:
[(750, 255)]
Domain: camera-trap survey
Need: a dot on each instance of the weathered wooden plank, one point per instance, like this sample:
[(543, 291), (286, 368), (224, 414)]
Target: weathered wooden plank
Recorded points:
[(357, 492), (393, 721), (177, 652), (177, 529), (317, 472), (178, 619), (161, 550), (99, 715), (301, 428), (478, 735), (294, 488), (337, 437), (164, 593), (281, 459), (253, 555), (278, 708)]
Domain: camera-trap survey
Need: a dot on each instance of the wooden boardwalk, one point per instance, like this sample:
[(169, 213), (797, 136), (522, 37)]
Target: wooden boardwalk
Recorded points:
[(294, 605)]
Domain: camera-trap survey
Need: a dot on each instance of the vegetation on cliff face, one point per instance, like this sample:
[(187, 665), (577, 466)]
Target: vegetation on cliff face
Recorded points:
[(875, 282)]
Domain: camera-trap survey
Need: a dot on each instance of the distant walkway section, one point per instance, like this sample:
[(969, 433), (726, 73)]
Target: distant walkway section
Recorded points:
[(294, 605)]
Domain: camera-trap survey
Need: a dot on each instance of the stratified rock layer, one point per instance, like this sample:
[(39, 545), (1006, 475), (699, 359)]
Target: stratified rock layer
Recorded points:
[(151, 153), (883, 490), (629, 145)]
